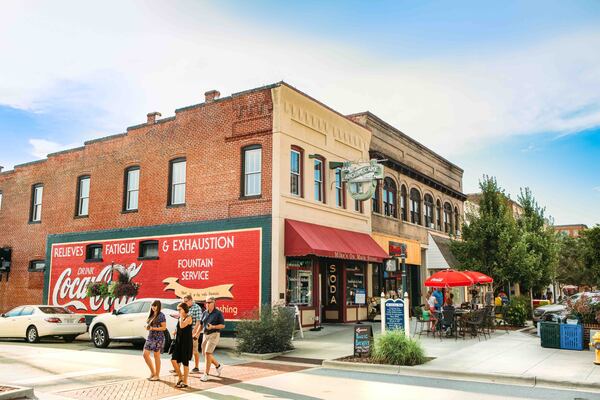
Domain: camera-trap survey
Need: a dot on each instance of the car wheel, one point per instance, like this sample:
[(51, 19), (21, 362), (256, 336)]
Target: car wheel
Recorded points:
[(167, 342), (69, 339), (32, 335), (138, 345), (100, 337)]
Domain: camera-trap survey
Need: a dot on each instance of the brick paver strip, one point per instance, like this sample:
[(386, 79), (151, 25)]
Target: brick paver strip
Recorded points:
[(144, 389)]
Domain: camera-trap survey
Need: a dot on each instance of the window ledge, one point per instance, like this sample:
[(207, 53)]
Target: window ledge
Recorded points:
[(81, 216), (175, 205), (129, 211), (35, 222), (93, 260), (36, 270), (148, 258), (254, 197)]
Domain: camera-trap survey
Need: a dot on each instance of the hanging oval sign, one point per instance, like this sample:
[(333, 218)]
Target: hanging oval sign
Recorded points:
[(362, 178)]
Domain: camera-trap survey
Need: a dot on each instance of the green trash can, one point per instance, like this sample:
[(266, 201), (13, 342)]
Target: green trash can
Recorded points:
[(550, 334)]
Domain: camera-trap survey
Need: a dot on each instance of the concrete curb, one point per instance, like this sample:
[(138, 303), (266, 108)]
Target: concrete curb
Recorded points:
[(265, 356), (508, 379), (20, 392)]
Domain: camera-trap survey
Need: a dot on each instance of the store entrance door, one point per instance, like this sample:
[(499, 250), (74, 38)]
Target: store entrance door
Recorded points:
[(331, 290)]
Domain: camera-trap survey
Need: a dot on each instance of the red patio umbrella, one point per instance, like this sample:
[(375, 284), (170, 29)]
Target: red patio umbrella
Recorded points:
[(478, 277), (449, 278)]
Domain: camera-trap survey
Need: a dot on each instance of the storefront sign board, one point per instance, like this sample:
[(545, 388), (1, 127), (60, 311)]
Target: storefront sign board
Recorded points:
[(225, 265)]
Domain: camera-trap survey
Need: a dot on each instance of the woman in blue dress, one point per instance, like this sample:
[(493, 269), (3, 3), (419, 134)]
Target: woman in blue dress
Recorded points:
[(156, 324)]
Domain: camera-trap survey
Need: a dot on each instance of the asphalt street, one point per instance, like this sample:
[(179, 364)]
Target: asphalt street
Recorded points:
[(58, 370)]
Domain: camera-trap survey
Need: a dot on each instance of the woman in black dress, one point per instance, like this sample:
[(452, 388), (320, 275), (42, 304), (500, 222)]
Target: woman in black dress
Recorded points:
[(182, 353)]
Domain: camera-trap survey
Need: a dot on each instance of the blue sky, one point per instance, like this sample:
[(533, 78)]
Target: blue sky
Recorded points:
[(509, 89)]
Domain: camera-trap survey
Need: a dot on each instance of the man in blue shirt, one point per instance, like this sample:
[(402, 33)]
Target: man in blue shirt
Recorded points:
[(212, 322), (439, 296)]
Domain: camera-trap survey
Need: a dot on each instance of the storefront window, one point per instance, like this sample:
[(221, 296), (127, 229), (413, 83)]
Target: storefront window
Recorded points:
[(355, 279), (300, 282)]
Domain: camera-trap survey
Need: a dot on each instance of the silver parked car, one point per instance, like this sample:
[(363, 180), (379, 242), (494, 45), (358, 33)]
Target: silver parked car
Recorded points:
[(560, 308)]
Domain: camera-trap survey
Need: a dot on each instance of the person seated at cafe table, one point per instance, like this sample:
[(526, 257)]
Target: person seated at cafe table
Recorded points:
[(431, 303)]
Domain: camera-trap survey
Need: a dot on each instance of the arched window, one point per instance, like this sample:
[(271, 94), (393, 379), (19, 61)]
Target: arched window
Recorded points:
[(375, 199), (448, 218), (415, 206), (456, 221), (389, 197), (403, 203), (428, 211), (438, 207)]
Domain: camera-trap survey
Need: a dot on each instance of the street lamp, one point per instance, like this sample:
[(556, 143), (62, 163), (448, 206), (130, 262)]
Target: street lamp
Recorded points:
[(403, 258)]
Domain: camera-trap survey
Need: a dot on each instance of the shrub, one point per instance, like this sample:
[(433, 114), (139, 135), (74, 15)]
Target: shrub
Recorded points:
[(586, 309), (517, 311), (393, 347), (271, 332)]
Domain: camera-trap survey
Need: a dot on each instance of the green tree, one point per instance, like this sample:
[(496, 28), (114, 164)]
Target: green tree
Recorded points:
[(540, 241), (490, 241), (571, 269), (591, 254)]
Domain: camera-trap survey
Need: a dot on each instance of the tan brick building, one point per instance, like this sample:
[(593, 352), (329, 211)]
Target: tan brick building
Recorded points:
[(420, 197), (573, 230)]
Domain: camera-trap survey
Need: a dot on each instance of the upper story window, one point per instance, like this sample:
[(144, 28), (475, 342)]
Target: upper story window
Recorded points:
[(296, 171), (252, 170), (132, 188), (429, 217), (403, 203), (37, 192), (389, 197), (83, 196), (439, 215), (375, 199), (177, 174), (448, 218), (415, 206), (319, 178), (93, 252), (37, 266), (340, 193), (0, 199), (149, 249)]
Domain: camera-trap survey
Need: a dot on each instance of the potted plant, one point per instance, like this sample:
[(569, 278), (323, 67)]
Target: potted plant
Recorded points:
[(123, 286)]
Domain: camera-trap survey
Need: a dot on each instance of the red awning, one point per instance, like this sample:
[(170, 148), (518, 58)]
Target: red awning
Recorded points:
[(302, 239)]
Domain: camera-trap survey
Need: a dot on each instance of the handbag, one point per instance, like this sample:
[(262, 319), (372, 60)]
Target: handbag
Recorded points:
[(172, 346)]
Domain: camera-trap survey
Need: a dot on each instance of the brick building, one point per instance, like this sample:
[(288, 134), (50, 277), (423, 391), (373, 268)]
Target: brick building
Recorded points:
[(84, 190), (573, 230)]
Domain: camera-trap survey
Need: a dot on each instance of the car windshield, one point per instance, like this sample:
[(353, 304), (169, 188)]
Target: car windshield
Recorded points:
[(54, 310)]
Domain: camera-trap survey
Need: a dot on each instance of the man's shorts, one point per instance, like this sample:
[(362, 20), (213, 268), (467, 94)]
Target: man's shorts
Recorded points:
[(210, 341)]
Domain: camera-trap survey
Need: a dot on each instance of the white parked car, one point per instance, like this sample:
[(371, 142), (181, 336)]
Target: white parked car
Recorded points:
[(34, 322), (128, 323)]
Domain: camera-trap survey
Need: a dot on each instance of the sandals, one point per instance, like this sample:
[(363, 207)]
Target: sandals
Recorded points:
[(154, 379), (181, 385)]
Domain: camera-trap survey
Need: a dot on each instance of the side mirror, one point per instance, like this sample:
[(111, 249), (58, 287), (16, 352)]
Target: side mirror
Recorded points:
[(115, 312), (3, 315)]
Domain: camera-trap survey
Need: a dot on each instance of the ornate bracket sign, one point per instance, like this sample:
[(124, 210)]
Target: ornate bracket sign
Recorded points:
[(362, 178)]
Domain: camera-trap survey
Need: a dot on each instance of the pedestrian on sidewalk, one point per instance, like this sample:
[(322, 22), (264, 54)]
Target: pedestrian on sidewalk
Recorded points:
[(156, 324), (212, 323), (182, 353), (196, 314)]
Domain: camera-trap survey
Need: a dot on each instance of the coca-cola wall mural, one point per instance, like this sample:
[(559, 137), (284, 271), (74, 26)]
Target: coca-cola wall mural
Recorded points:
[(226, 265)]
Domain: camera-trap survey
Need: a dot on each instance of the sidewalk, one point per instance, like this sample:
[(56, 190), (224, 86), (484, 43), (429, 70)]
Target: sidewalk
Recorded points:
[(515, 356)]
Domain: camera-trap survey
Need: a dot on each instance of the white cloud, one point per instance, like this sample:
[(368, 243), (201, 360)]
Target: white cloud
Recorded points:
[(124, 59), (597, 189), (40, 148)]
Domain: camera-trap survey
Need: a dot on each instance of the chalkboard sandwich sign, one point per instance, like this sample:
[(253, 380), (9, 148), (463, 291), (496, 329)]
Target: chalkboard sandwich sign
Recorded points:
[(363, 340)]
